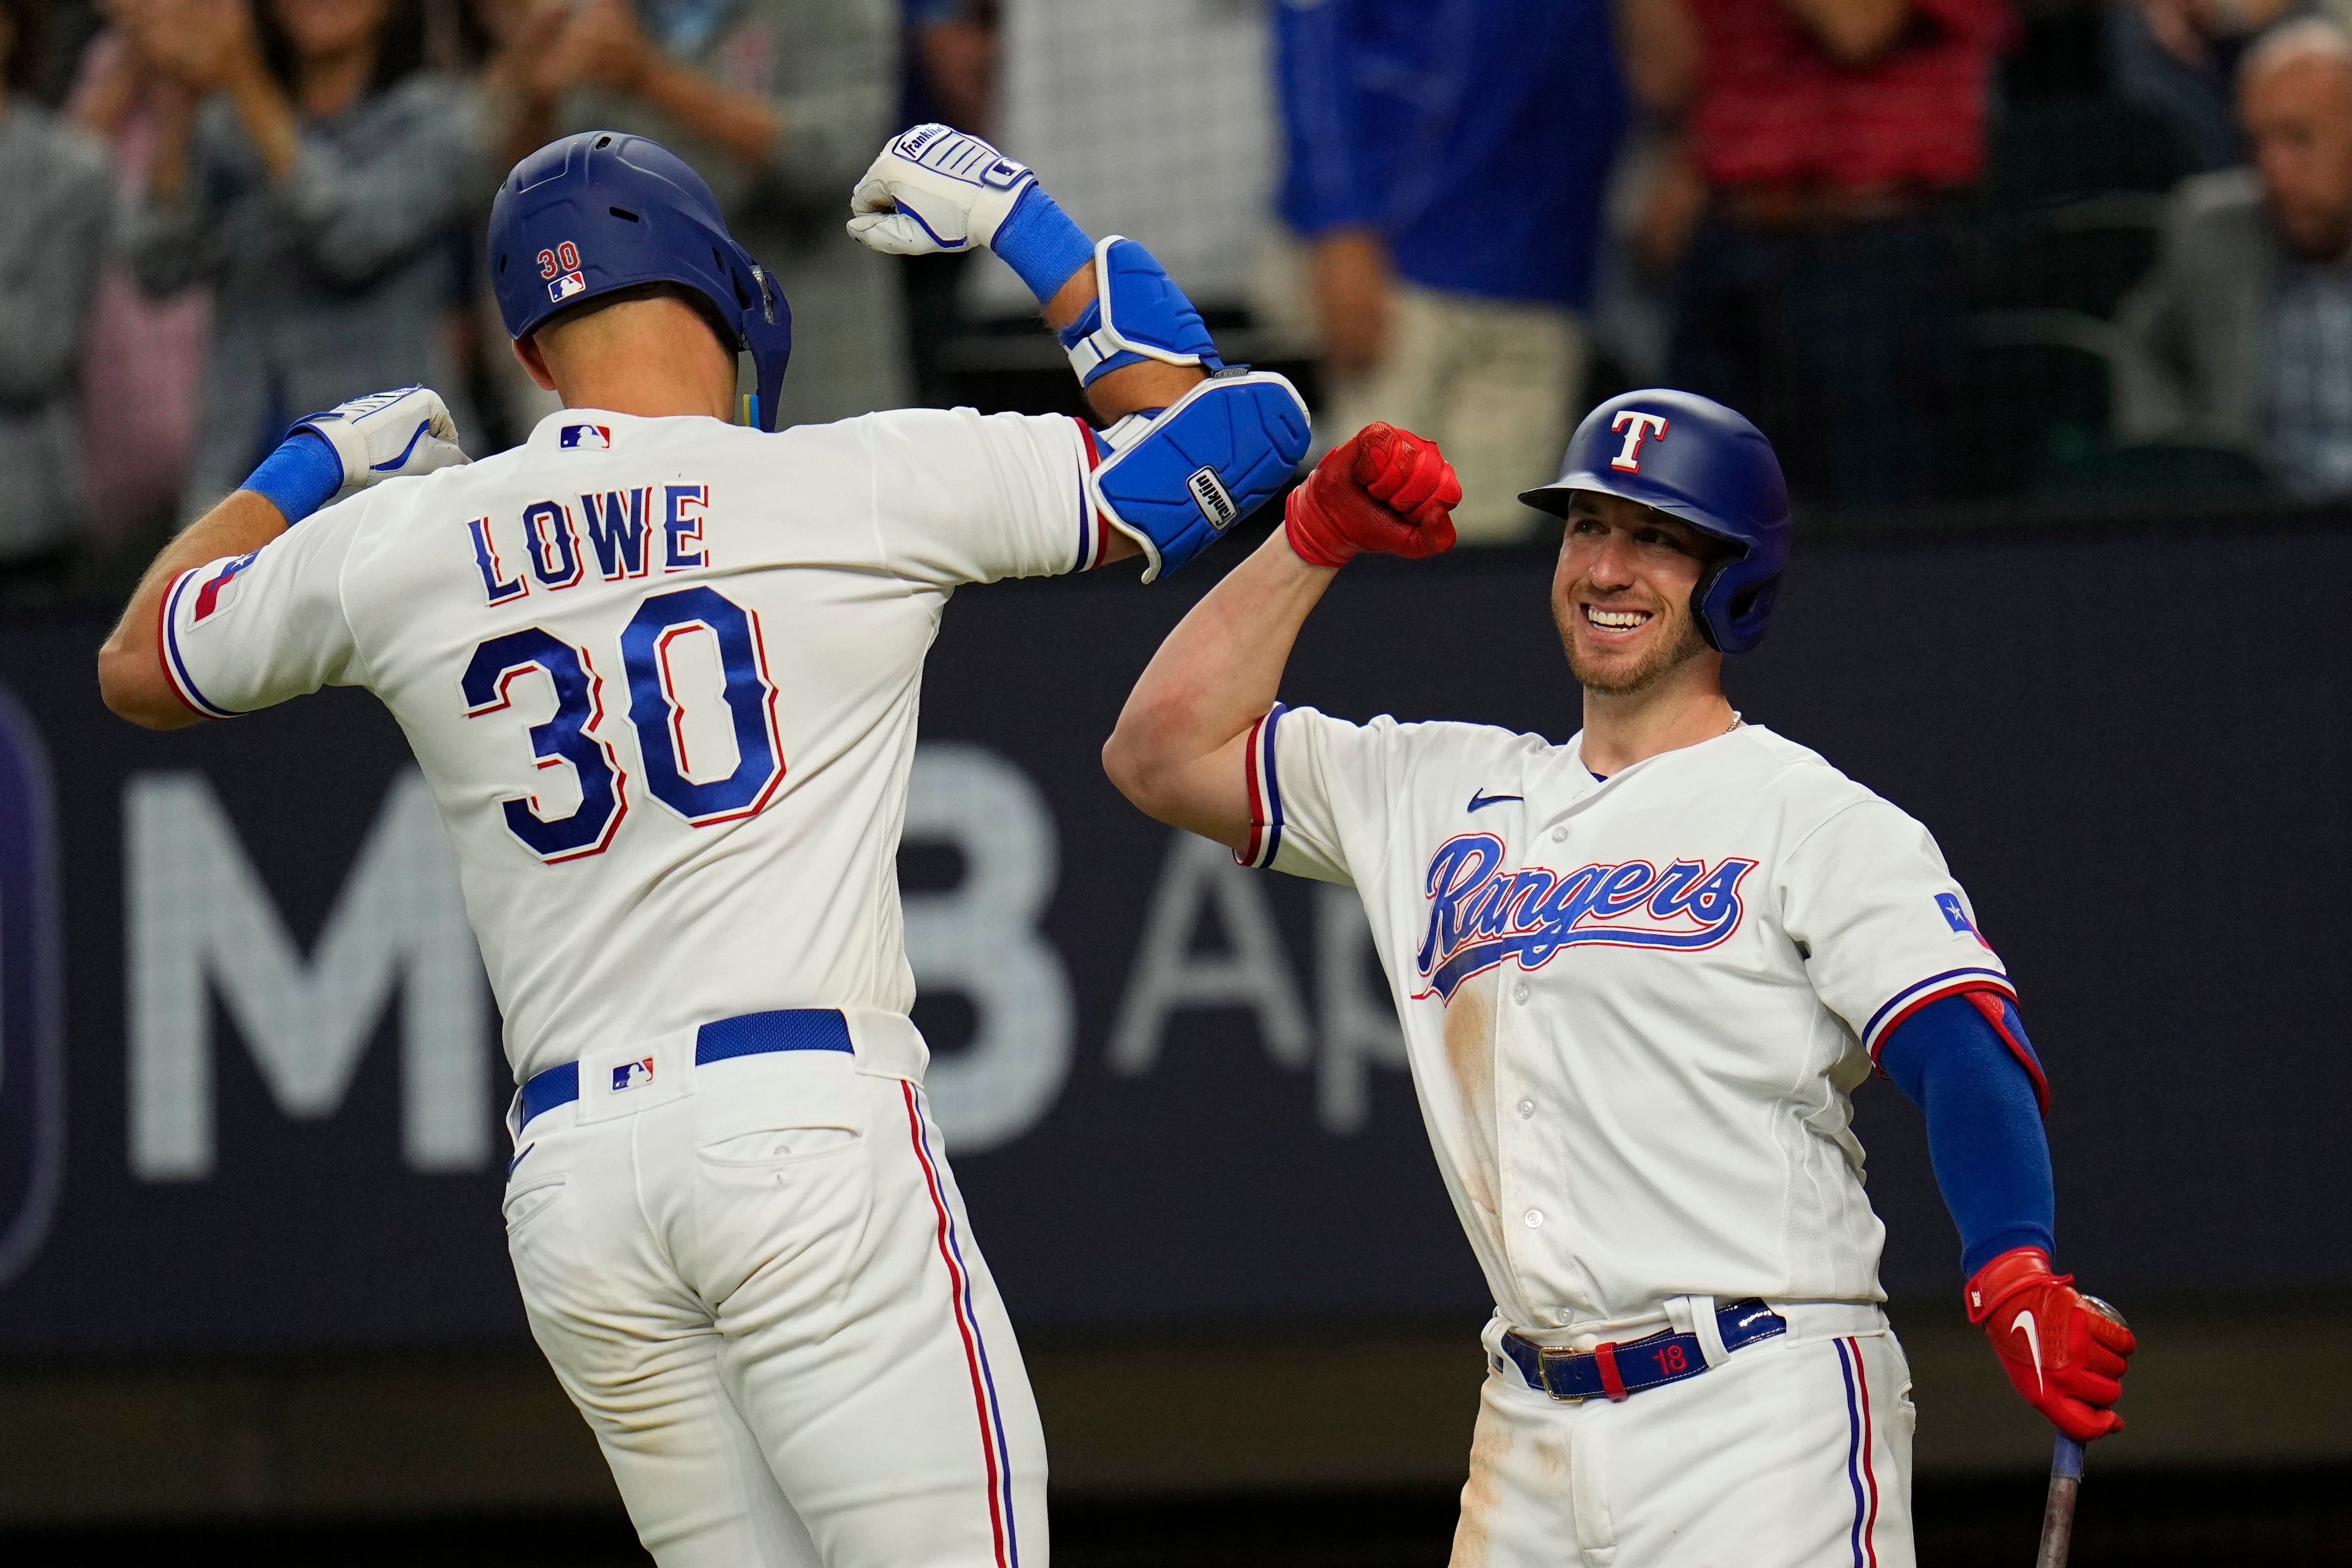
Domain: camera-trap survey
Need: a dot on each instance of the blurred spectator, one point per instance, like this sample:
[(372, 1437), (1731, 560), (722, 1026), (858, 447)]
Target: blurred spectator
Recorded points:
[(2243, 335), (316, 175), (954, 45), (1827, 142), (2178, 57), (780, 105), (142, 367), (50, 247), (1447, 163), (510, 38), (1149, 118)]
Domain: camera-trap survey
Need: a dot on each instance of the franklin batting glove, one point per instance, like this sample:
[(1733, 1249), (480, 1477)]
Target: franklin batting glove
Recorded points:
[(2065, 1356), (938, 188), (387, 435)]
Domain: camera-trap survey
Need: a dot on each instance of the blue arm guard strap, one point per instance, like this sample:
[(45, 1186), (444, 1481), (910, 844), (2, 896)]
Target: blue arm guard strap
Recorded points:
[(1041, 243), (300, 477), (1176, 480), (1984, 1122), (1137, 314)]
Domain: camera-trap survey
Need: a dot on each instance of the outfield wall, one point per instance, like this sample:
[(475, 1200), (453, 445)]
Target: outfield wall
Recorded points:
[(267, 1119)]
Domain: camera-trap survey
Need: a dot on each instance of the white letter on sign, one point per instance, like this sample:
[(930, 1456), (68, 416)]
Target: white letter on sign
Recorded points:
[(197, 913), (1170, 977), (981, 939)]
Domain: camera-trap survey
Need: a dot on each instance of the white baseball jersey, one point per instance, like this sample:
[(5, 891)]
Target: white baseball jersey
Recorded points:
[(662, 677), (1636, 1008)]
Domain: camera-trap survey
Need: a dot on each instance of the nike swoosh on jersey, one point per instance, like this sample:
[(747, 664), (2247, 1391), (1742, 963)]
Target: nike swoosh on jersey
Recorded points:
[(2025, 1325), (1480, 802)]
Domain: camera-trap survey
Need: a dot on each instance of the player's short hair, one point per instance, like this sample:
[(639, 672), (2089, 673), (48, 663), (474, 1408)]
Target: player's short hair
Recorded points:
[(677, 291)]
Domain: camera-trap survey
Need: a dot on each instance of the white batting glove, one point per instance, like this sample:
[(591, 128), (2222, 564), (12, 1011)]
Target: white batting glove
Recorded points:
[(935, 189), (386, 435)]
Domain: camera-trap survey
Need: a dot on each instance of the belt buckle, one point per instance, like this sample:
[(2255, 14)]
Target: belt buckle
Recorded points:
[(1544, 1359)]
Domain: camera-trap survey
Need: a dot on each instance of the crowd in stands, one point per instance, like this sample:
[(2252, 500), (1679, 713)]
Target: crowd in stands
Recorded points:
[(1939, 249)]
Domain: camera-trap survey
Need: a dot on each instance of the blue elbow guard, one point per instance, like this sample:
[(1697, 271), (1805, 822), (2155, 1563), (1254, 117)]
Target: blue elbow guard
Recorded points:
[(1137, 313), (1176, 481)]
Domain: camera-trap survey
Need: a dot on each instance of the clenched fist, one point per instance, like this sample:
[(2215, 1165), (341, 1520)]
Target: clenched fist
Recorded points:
[(2063, 1350), (1382, 489)]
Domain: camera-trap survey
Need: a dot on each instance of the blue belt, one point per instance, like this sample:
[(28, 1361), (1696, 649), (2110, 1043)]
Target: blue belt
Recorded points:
[(1615, 1371), (751, 1034)]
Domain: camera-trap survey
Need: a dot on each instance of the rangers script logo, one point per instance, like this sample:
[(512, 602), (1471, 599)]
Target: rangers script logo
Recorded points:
[(1480, 915)]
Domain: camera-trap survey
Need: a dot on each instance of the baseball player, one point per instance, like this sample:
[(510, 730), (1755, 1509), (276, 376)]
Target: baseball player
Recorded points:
[(661, 672), (1640, 974)]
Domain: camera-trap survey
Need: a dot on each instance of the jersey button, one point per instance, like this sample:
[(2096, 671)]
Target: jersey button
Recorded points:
[(1519, 992), (1526, 1109), (1560, 835), (1535, 1219)]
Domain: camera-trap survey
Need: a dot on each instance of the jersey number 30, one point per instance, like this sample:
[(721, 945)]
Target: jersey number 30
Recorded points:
[(656, 712)]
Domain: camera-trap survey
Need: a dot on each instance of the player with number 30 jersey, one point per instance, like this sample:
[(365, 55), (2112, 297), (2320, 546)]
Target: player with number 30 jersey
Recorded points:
[(661, 672), (632, 648)]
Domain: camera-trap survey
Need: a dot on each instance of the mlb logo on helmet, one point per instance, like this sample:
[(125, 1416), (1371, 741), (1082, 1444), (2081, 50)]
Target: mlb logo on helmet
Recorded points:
[(565, 286), (632, 1074)]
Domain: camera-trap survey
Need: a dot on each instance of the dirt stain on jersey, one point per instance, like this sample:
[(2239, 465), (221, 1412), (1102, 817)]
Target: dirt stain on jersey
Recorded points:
[(1470, 1058), (1490, 1446)]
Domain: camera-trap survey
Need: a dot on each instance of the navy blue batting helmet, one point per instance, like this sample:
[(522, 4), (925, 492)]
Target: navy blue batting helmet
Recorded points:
[(1694, 459), (604, 210)]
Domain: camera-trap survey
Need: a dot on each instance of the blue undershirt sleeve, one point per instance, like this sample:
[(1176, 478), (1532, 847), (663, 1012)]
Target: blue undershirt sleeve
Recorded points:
[(1984, 1124)]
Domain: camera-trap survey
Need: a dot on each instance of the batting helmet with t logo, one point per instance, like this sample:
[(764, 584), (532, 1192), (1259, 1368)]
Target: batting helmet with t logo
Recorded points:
[(1696, 460), (603, 211)]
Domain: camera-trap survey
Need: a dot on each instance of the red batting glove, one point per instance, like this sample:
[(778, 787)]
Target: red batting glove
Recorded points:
[(2065, 1356), (1381, 490)]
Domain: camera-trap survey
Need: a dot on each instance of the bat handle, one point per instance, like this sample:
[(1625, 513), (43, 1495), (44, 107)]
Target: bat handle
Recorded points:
[(2058, 1513)]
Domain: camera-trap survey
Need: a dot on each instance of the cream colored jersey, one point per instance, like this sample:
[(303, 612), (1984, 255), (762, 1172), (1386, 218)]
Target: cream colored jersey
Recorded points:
[(662, 677), (1634, 1009)]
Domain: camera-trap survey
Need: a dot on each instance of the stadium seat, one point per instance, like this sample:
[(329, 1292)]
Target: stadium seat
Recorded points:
[(2084, 257), (2046, 154), (2037, 395)]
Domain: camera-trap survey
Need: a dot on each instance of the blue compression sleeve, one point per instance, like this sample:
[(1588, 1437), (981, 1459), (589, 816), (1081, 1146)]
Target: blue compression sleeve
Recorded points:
[(1039, 241), (1984, 1124), (300, 477)]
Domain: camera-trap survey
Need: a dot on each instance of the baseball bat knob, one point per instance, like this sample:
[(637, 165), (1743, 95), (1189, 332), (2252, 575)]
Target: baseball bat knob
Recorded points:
[(2106, 1310)]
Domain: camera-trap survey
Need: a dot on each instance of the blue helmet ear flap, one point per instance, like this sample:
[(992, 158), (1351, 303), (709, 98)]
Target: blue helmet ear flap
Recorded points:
[(1732, 606), (768, 336)]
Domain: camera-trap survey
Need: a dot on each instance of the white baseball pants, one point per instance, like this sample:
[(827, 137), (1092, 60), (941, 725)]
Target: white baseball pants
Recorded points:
[(1793, 1453), (756, 1281)]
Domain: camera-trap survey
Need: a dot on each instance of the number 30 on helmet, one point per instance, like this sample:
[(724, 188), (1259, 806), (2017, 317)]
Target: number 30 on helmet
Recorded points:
[(603, 211)]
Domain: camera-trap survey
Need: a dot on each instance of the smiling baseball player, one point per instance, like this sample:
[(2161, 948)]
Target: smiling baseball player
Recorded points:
[(661, 672), (1640, 975)]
